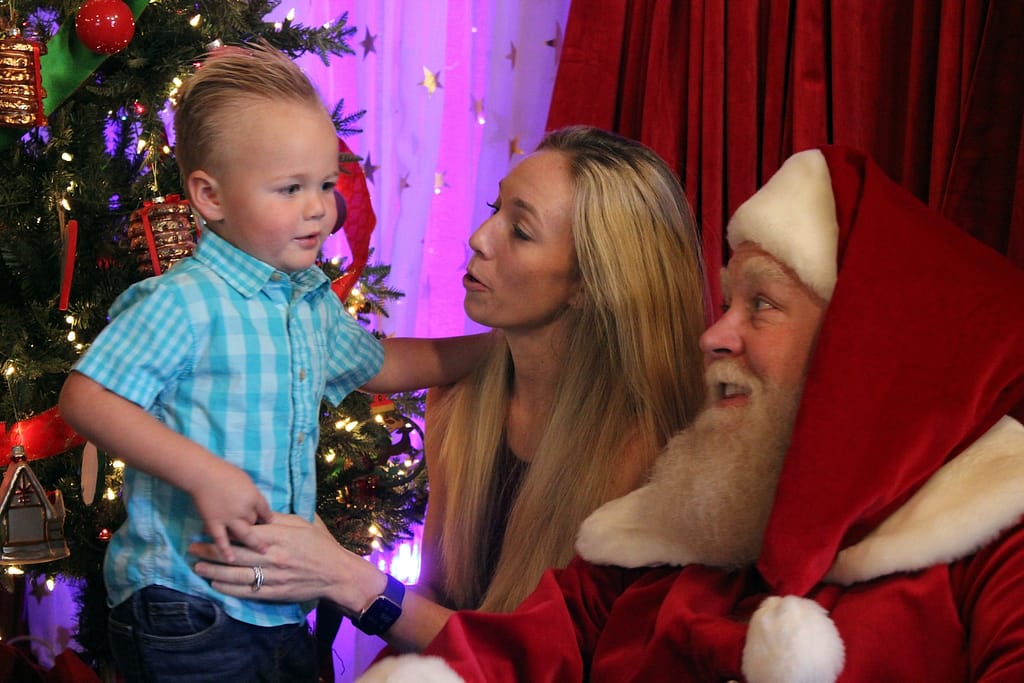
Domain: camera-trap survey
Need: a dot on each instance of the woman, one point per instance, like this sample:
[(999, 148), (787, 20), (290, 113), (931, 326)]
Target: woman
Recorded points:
[(591, 269)]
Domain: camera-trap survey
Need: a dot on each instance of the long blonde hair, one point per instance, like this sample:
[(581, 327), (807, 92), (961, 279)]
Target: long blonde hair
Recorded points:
[(632, 374)]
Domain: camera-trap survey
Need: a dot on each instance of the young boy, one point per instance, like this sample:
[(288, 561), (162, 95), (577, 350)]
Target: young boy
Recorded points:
[(208, 379)]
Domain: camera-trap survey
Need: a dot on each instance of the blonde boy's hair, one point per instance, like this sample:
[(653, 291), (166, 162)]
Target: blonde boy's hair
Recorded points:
[(229, 79)]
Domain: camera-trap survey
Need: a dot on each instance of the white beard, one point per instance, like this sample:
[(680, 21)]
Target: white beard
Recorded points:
[(711, 491)]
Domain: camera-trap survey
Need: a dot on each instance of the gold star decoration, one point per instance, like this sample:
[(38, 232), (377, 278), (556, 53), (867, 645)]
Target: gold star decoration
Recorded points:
[(556, 42), (514, 148), (369, 43), (511, 56), (39, 589), (431, 81), (403, 182), (368, 168), (439, 182), (478, 110)]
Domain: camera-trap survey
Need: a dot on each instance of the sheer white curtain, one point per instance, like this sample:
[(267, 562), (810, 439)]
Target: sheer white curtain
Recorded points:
[(435, 154)]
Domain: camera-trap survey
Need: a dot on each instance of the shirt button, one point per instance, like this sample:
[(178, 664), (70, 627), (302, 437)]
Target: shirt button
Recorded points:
[(302, 375), (301, 439), (276, 277)]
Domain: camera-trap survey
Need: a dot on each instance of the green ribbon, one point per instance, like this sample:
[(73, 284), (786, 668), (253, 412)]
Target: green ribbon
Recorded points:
[(64, 67)]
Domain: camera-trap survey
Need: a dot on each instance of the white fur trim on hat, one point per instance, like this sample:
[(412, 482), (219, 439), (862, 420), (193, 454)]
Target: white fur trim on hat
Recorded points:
[(410, 668), (793, 218), (792, 640)]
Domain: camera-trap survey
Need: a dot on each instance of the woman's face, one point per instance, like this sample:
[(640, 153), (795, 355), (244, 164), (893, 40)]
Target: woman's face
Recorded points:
[(522, 276)]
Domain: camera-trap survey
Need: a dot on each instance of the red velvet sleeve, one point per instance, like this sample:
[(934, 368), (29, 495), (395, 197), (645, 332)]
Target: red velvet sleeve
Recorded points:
[(990, 589), (549, 638)]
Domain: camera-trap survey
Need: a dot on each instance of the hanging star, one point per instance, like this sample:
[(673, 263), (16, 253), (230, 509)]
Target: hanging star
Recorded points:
[(403, 182), (431, 81), (556, 42), (514, 148), (39, 589), (369, 43), (511, 56), (369, 169), (478, 110), (439, 182)]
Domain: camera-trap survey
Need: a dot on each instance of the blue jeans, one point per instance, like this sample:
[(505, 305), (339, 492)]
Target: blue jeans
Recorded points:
[(159, 635)]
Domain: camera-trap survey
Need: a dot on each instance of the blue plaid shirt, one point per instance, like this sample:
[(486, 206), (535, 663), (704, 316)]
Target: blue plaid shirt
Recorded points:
[(237, 356)]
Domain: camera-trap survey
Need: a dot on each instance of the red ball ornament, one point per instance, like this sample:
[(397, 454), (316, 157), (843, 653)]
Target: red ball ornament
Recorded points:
[(105, 26)]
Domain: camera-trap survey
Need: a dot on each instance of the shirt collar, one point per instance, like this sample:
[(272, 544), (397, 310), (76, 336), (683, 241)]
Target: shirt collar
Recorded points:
[(246, 273)]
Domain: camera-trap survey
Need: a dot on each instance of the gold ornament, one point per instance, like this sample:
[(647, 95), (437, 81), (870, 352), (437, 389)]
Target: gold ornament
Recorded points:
[(161, 233), (21, 88), (31, 518)]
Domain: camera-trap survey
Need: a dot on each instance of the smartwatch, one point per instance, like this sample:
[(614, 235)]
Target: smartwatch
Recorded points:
[(384, 611)]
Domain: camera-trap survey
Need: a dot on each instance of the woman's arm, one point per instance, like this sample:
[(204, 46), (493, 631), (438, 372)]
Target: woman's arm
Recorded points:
[(302, 561), (412, 363)]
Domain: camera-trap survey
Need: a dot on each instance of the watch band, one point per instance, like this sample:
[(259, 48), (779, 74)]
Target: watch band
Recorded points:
[(384, 611)]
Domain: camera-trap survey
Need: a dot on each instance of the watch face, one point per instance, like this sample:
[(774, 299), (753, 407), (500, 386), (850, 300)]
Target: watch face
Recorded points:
[(378, 617)]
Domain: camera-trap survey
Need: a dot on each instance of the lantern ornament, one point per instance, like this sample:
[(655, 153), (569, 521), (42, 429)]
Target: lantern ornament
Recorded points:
[(162, 232), (31, 519)]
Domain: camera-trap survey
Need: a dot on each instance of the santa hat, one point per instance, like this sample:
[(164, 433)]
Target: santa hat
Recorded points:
[(793, 218), (921, 350)]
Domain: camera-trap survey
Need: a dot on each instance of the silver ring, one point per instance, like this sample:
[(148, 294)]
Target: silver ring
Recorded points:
[(257, 578)]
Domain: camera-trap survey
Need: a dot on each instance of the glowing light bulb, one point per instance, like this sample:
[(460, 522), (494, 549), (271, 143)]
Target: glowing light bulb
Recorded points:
[(66, 156), (194, 21)]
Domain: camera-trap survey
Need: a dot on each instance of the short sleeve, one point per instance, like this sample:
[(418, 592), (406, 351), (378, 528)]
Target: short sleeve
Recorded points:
[(146, 344)]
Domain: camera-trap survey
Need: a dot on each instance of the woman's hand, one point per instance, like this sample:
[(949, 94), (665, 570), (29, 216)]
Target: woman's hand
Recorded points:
[(300, 561)]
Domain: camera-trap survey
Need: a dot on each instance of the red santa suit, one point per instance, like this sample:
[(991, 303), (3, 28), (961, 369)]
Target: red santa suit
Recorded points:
[(894, 549)]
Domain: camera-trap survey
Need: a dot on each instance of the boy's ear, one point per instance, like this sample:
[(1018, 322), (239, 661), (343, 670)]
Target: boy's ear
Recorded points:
[(204, 194)]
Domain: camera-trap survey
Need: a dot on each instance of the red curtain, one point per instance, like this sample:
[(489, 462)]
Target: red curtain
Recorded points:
[(726, 91)]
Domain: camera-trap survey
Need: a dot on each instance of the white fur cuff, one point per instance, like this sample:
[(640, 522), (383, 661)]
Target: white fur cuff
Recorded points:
[(792, 640), (410, 669)]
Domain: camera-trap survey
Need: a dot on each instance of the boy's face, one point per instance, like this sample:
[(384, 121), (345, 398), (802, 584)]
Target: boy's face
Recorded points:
[(272, 193)]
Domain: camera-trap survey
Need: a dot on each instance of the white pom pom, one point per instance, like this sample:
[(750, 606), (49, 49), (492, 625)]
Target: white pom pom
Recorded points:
[(792, 640), (410, 669)]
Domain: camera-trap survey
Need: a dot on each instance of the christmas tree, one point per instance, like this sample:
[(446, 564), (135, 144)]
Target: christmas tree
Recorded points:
[(91, 202)]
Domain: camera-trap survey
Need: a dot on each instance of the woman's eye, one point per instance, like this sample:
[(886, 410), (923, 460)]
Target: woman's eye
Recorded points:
[(494, 206), (762, 304), (519, 233)]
